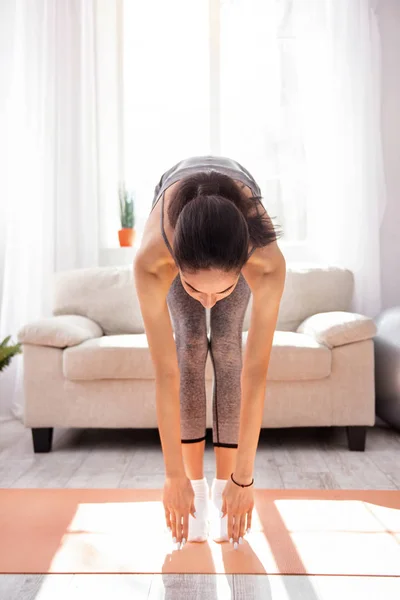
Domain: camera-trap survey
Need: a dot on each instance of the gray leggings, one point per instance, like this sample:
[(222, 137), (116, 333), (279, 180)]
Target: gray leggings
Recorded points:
[(226, 321)]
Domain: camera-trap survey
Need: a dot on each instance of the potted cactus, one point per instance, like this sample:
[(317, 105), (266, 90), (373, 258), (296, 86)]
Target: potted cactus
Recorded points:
[(7, 352), (127, 232)]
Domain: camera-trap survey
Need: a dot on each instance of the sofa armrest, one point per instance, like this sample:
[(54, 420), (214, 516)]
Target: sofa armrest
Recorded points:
[(338, 328), (59, 331)]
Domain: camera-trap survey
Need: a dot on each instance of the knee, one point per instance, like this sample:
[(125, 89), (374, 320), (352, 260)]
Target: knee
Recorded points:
[(226, 351), (192, 354)]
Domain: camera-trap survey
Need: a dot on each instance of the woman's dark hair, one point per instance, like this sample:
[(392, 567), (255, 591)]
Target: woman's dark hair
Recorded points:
[(214, 222)]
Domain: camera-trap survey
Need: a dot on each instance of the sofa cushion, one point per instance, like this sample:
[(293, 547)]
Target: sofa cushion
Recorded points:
[(338, 328), (294, 356), (108, 296), (60, 331), (309, 289), (297, 357)]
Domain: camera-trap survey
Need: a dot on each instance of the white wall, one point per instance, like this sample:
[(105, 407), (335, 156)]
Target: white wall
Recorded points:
[(389, 26), (6, 20)]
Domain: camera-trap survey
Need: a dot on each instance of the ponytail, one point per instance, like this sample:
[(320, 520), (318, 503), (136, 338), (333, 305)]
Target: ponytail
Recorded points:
[(205, 183), (214, 223)]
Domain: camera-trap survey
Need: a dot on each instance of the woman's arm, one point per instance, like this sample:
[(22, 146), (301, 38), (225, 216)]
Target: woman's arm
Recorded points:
[(152, 292), (267, 284)]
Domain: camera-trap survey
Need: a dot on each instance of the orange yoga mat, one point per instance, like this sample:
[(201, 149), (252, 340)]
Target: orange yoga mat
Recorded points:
[(302, 532)]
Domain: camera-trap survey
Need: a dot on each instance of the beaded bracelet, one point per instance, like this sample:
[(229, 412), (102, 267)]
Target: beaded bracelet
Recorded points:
[(240, 484)]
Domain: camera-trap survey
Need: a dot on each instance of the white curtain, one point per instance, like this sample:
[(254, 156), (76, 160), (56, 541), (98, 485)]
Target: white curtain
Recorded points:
[(300, 107), (296, 100), (50, 197), (338, 67)]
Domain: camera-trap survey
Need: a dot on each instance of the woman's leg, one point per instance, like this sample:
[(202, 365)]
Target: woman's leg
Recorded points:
[(226, 324), (189, 320)]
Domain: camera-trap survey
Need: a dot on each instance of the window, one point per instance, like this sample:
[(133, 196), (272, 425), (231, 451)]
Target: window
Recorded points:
[(213, 77)]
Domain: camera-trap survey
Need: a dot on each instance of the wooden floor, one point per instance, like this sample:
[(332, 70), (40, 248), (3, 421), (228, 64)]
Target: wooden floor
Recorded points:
[(286, 458)]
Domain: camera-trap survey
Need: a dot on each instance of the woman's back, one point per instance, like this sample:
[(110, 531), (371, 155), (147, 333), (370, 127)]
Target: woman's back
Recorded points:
[(158, 234)]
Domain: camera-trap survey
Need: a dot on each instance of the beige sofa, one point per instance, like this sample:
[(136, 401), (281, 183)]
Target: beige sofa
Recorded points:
[(89, 365)]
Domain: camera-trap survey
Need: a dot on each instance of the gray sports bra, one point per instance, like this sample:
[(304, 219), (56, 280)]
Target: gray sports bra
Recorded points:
[(192, 165)]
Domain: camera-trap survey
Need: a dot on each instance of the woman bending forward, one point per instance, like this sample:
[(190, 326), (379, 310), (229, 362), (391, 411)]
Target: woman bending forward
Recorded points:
[(209, 244)]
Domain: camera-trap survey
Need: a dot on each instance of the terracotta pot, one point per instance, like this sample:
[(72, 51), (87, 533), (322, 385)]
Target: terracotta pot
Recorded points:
[(126, 236)]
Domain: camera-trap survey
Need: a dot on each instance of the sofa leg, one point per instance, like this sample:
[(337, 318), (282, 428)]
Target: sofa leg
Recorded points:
[(42, 438), (356, 437)]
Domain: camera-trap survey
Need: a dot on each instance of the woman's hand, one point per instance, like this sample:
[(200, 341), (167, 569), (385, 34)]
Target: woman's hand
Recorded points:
[(178, 500), (237, 504)]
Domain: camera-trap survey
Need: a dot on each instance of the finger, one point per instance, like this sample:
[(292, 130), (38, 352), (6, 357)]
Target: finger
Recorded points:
[(230, 525), (249, 516), (236, 524), (178, 526), (242, 526), (223, 508), (173, 524), (185, 526), (167, 518)]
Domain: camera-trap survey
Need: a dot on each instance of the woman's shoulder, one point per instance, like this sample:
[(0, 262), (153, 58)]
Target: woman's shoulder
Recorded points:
[(153, 250)]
